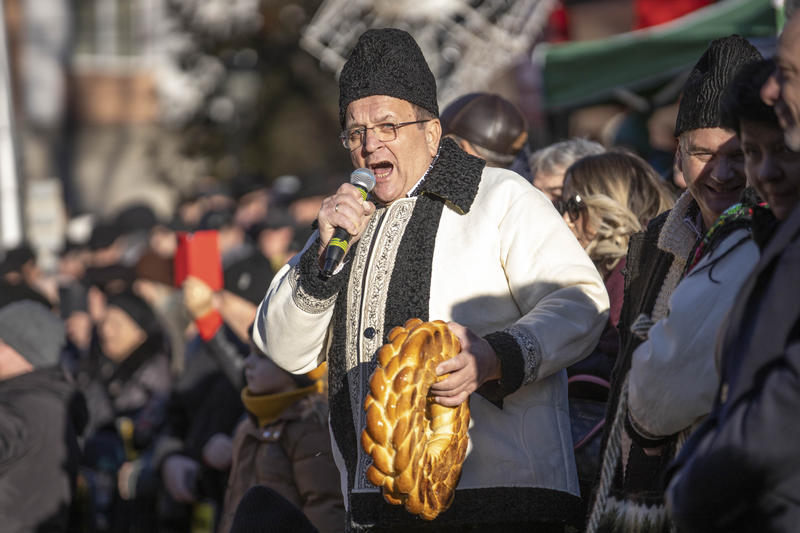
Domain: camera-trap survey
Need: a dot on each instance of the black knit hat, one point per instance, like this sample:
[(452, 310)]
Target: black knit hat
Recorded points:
[(33, 332), (136, 308), (14, 259), (389, 62), (249, 278), (703, 91), (103, 235), (134, 218)]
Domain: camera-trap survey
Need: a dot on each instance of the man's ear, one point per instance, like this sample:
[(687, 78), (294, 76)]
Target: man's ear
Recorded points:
[(678, 155), (433, 135)]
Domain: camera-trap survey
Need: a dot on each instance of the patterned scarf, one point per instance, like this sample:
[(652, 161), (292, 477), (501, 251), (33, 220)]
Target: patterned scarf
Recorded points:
[(736, 216)]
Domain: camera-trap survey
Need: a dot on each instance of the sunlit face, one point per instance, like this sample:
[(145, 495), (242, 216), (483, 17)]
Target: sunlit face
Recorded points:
[(550, 184), (399, 164), (787, 106), (265, 377), (772, 169), (713, 167), (120, 335)]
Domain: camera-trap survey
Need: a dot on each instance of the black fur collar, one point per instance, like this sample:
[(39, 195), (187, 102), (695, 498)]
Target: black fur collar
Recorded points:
[(454, 177)]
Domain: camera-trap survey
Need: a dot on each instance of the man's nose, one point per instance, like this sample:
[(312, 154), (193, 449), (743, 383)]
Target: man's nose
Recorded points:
[(725, 169), (769, 170), (771, 90), (371, 142)]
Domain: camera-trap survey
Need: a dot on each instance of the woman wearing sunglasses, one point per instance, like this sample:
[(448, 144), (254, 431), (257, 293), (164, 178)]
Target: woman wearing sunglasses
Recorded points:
[(606, 198)]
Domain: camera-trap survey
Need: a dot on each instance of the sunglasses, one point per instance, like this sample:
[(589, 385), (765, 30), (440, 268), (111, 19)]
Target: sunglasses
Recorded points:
[(572, 206)]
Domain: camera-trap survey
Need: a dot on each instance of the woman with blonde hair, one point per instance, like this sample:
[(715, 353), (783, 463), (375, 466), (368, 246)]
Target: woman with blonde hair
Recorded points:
[(624, 177), (606, 199)]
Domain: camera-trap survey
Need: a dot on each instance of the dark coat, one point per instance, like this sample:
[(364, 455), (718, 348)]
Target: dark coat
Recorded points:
[(203, 402), (136, 388), (41, 416), (740, 471), (632, 486)]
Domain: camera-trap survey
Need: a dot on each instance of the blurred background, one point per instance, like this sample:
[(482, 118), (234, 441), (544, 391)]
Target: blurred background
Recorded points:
[(110, 103)]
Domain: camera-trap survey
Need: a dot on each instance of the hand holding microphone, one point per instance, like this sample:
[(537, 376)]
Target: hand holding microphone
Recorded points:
[(344, 216)]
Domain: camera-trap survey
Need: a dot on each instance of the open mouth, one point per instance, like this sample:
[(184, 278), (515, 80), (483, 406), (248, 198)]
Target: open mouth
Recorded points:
[(382, 169)]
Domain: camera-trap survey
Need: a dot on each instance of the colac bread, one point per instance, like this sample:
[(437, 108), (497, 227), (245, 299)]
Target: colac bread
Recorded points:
[(417, 446)]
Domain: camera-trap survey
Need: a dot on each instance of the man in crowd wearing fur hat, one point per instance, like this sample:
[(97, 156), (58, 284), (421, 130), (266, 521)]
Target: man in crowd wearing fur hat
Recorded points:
[(41, 417), (442, 237), (630, 494)]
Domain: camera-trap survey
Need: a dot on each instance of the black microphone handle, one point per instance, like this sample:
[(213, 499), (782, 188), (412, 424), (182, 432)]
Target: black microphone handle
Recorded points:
[(337, 246), (334, 252)]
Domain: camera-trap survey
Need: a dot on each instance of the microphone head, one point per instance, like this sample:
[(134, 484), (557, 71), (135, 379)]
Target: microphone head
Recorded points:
[(364, 178)]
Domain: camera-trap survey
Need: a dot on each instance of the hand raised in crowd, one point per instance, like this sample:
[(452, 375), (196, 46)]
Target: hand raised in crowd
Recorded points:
[(179, 474), (347, 210), (474, 365), (218, 451), (197, 297)]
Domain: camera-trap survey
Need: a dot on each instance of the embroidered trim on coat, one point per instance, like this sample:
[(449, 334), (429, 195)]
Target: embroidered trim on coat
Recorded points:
[(371, 306), (304, 301), (531, 352)]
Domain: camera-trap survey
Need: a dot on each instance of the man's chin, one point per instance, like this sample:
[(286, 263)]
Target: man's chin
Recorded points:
[(720, 202), (791, 135)]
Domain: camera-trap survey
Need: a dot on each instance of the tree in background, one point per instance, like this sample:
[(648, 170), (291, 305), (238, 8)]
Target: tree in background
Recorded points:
[(244, 95)]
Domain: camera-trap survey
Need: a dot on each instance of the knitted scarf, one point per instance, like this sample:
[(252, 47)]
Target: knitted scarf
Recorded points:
[(267, 408)]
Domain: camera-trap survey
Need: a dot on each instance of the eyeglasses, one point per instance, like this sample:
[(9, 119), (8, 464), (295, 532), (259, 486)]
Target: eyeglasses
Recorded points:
[(354, 137), (572, 206)]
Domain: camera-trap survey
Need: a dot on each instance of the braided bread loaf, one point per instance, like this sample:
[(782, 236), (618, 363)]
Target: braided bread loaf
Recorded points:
[(417, 446)]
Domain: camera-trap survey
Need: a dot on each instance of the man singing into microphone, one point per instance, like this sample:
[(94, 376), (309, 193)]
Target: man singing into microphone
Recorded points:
[(442, 237)]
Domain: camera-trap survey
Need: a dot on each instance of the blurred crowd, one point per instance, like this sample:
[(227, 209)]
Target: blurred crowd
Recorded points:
[(166, 373), (131, 400)]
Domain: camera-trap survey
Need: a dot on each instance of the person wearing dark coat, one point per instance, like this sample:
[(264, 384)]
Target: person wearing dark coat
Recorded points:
[(127, 380), (629, 494), (42, 415), (740, 471), (193, 453)]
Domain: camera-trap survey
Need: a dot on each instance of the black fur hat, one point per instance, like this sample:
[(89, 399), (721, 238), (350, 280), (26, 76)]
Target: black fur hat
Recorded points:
[(389, 62), (703, 91)]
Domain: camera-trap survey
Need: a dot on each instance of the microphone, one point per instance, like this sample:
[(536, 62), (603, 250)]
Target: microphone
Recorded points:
[(364, 180)]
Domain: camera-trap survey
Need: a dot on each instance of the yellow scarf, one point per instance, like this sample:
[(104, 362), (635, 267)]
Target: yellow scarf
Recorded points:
[(268, 407)]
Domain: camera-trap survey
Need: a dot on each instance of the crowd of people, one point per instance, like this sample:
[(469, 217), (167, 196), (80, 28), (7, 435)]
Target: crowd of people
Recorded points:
[(629, 349)]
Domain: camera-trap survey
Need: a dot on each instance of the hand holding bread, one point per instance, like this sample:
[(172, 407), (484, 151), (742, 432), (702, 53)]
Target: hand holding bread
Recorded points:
[(417, 446)]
